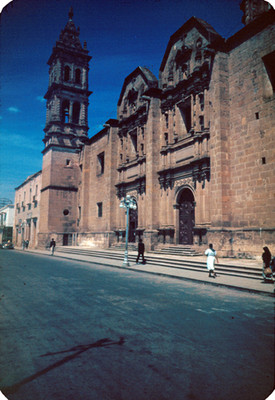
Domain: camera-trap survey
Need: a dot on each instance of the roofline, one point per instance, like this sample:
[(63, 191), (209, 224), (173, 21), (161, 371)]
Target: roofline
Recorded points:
[(6, 206), (250, 30), (98, 135), (129, 78), (220, 43), (193, 21), (31, 177)]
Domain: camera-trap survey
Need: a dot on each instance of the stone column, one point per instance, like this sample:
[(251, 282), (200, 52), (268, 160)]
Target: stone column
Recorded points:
[(152, 184)]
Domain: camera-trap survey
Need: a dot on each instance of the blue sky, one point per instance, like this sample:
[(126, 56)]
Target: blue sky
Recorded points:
[(120, 35)]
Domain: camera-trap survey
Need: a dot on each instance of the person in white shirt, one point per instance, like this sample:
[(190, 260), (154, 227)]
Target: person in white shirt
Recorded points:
[(211, 258)]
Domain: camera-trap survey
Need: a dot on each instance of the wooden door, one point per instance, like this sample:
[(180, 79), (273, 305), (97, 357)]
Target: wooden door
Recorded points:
[(186, 218), (133, 222)]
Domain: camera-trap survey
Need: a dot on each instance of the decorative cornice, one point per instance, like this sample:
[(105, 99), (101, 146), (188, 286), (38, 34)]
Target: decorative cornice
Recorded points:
[(63, 188), (138, 185)]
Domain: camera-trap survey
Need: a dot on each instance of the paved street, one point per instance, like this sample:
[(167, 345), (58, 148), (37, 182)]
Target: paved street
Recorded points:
[(72, 331)]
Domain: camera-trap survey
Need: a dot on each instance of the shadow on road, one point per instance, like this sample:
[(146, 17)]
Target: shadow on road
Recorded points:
[(77, 350)]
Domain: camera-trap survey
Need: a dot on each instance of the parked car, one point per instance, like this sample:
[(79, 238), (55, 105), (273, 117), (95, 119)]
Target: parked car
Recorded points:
[(7, 245)]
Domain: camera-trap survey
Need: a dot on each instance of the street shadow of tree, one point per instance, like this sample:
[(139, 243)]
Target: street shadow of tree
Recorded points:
[(76, 350)]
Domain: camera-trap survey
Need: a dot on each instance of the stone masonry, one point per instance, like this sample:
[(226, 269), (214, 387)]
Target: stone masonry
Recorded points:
[(195, 147)]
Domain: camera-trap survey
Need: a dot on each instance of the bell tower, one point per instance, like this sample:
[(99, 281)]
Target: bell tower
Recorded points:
[(67, 95), (252, 9), (66, 132)]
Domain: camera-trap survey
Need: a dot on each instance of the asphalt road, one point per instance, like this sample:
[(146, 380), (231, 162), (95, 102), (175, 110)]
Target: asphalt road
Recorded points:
[(77, 331)]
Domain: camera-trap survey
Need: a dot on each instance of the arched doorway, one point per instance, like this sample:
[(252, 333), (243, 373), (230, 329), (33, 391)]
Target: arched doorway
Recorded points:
[(133, 223), (186, 216)]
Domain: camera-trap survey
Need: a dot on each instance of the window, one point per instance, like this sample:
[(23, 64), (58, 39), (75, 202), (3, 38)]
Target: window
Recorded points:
[(66, 212), (166, 138), (201, 97), (201, 120), (99, 210), (185, 110), (77, 75), (67, 73), (100, 163), (269, 62), (68, 163), (166, 120), (133, 136), (76, 112), (65, 111)]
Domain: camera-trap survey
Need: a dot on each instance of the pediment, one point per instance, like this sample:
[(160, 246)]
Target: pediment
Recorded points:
[(135, 84), (188, 48)]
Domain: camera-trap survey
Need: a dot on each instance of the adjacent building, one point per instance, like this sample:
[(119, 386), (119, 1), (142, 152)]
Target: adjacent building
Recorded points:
[(195, 147), (27, 211), (6, 223)]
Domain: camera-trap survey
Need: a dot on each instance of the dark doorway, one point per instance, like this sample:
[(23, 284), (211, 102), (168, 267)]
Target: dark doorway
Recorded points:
[(133, 223), (67, 239), (186, 217)]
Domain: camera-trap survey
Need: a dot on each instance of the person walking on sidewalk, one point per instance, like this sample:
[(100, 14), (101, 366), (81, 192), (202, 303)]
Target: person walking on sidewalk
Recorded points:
[(266, 256), (267, 270), (141, 249), (211, 258), (52, 246)]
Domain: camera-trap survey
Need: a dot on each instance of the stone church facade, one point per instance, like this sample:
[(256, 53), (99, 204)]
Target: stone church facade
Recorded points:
[(195, 147)]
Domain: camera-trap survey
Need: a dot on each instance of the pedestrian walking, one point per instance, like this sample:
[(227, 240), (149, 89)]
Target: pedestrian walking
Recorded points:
[(141, 249), (211, 258), (266, 256), (52, 246), (267, 270)]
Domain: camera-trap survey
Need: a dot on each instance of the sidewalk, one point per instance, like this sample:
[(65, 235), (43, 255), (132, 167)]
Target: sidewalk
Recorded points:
[(234, 282)]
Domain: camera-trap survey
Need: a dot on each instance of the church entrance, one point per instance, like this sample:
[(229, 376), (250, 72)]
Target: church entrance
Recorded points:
[(67, 239), (186, 217), (133, 223)]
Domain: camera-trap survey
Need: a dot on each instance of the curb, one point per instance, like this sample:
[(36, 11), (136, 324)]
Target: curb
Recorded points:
[(214, 283)]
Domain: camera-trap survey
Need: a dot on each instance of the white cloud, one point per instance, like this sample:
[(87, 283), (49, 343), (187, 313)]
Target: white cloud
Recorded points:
[(41, 99), (13, 109), (9, 141)]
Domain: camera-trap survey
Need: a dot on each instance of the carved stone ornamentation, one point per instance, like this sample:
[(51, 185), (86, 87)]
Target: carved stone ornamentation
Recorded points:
[(185, 182)]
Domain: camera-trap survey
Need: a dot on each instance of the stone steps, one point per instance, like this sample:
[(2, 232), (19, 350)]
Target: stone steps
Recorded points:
[(179, 250), (165, 261)]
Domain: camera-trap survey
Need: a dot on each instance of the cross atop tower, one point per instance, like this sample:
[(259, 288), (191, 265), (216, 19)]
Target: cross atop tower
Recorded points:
[(71, 13)]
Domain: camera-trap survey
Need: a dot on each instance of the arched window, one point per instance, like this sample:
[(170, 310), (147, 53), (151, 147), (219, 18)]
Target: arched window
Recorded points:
[(76, 112), (77, 75), (65, 111), (67, 73)]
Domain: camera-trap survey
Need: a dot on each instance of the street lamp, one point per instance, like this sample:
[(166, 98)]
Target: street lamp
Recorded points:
[(127, 203)]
